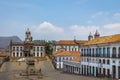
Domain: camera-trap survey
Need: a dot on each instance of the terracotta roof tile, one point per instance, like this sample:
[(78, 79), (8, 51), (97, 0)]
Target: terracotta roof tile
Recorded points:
[(66, 53), (69, 42), (103, 40), (4, 54)]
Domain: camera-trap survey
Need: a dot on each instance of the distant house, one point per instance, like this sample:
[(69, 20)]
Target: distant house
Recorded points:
[(68, 45), (61, 55)]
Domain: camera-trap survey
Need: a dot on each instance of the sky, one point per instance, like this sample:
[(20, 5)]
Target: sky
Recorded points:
[(59, 19)]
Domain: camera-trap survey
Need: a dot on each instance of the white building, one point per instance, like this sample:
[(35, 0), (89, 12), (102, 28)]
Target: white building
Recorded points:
[(68, 45), (101, 56), (61, 55), (17, 48), (72, 66)]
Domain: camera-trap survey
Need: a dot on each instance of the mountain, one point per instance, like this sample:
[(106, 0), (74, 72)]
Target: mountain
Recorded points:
[(5, 41)]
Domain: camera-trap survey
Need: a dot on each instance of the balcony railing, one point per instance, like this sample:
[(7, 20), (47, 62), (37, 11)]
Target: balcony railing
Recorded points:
[(113, 55)]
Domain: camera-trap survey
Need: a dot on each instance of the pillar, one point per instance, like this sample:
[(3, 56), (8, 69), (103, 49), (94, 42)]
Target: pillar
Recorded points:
[(94, 71), (117, 72), (110, 51)]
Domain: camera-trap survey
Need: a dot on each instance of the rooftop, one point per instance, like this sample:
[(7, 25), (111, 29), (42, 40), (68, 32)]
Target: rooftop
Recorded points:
[(103, 40)]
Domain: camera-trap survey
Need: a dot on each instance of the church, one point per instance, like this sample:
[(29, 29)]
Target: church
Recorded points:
[(17, 49)]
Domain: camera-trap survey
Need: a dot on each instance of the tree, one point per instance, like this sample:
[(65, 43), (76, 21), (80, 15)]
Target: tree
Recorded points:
[(48, 48)]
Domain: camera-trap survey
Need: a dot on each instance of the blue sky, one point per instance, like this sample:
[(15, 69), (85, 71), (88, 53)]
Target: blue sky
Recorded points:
[(59, 19)]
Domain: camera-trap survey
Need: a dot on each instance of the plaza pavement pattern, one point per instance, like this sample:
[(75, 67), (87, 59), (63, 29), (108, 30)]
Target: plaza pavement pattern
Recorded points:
[(10, 69)]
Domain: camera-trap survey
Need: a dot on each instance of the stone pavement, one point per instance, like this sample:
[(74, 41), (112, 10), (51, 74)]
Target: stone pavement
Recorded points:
[(13, 68)]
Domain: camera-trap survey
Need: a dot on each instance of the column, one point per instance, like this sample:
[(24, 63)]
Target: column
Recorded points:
[(106, 72), (106, 51), (15, 54), (94, 71), (117, 51), (19, 54), (86, 70), (117, 72), (110, 51), (83, 70)]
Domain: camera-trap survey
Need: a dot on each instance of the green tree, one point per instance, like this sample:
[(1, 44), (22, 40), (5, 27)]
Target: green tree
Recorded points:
[(48, 48)]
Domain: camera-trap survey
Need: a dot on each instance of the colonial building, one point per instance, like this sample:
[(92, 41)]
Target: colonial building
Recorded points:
[(17, 48), (59, 56), (72, 66), (68, 45), (100, 56)]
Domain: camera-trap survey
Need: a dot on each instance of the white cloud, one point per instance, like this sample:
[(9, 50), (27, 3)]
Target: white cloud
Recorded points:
[(110, 29), (112, 26), (47, 28), (83, 30)]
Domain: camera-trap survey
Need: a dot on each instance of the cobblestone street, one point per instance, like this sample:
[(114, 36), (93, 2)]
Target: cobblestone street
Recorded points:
[(13, 68)]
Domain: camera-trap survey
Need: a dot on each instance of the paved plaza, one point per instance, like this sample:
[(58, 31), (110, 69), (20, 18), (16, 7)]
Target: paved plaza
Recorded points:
[(10, 70)]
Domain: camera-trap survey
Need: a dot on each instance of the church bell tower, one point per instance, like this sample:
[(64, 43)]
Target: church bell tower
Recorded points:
[(28, 37)]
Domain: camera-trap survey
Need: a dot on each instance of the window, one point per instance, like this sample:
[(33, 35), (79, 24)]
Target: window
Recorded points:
[(108, 61), (59, 59), (103, 61), (114, 52), (13, 54), (103, 52), (37, 48), (113, 61), (13, 48), (90, 52), (17, 48), (93, 51), (100, 52), (108, 52), (33, 48), (33, 54), (41, 48), (37, 54), (41, 54), (99, 60), (21, 48), (17, 54), (21, 54), (119, 52)]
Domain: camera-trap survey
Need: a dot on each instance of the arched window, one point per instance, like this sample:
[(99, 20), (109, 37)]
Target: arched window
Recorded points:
[(108, 52), (103, 52), (17, 54), (37, 54), (96, 52), (81, 52), (100, 54), (84, 52), (93, 52), (119, 52), (13, 54), (21, 54), (87, 52), (41, 54), (90, 52), (33, 54), (114, 52)]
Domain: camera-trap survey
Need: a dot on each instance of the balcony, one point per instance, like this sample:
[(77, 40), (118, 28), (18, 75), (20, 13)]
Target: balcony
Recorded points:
[(119, 55), (113, 55)]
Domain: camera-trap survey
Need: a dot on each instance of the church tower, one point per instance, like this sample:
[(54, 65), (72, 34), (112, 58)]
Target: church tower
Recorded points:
[(28, 37), (96, 35), (90, 37)]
